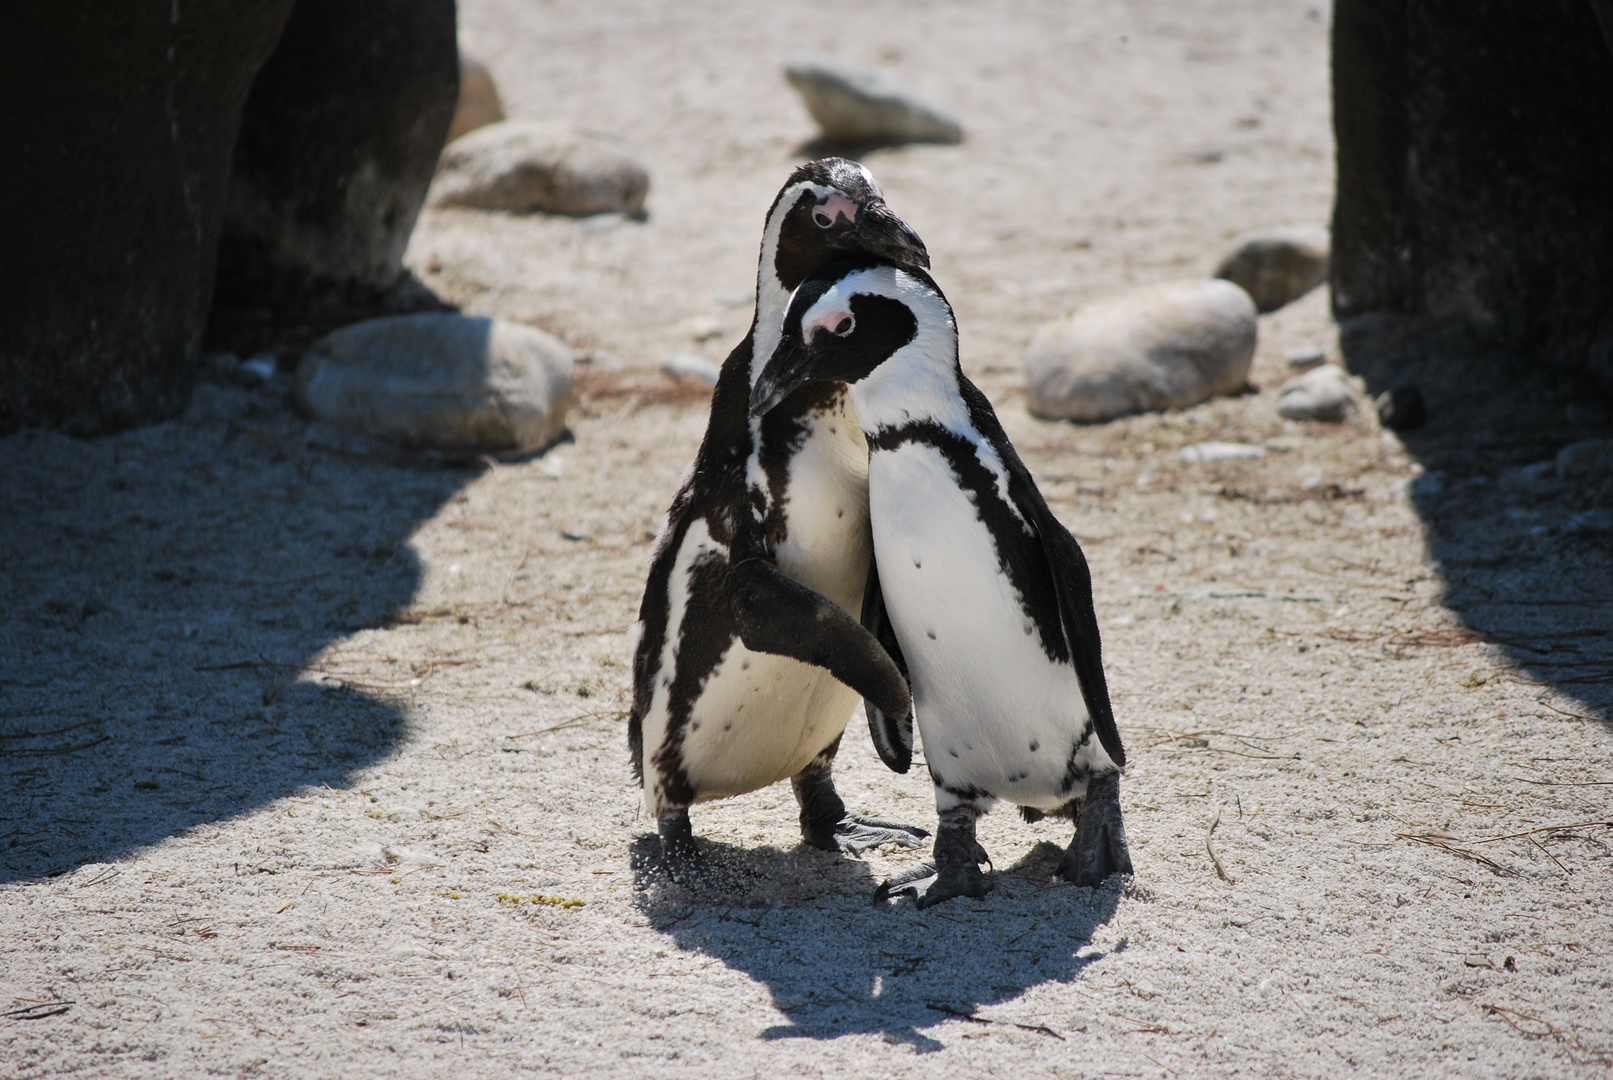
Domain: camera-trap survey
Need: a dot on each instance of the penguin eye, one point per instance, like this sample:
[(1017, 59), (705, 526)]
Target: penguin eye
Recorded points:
[(822, 220), (844, 326)]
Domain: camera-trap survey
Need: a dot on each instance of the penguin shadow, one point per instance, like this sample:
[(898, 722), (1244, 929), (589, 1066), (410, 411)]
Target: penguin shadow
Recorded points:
[(169, 594), (803, 923), (1525, 556)]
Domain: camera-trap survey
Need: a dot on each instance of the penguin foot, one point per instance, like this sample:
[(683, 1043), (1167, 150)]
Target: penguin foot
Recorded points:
[(1099, 848), (855, 834), (827, 824), (679, 857), (930, 885), (955, 870)]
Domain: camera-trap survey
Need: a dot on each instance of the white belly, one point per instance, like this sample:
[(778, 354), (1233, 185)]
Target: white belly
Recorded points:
[(826, 544), (762, 718), (995, 713)]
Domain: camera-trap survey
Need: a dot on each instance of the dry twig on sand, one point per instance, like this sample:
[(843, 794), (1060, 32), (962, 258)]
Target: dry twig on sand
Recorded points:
[(970, 1015), (1454, 846), (582, 718), (1535, 1027), (1220, 870)]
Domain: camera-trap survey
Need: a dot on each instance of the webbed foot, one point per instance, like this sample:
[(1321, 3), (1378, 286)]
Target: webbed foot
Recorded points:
[(827, 824), (955, 870), (1099, 847), (855, 834)]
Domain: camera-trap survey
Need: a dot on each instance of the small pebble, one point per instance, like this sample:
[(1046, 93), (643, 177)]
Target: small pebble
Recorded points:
[(1322, 393), (260, 368), (1592, 521), (1306, 356), (1402, 409), (1200, 453)]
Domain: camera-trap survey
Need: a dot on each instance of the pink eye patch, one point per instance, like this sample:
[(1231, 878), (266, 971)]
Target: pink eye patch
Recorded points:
[(830, 210), (837, 320)]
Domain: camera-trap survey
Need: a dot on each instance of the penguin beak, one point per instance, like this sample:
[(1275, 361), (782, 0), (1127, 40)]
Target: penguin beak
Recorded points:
[(884, 234), (788, 370)]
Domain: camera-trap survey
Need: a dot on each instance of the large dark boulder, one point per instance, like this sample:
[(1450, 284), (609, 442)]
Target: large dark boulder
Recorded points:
[(338, 141), (1475, 171), (118, 123)]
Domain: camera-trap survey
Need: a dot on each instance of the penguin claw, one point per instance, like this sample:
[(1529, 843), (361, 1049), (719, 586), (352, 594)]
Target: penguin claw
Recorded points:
[(855, 834), (1099, 848), (929, 885)]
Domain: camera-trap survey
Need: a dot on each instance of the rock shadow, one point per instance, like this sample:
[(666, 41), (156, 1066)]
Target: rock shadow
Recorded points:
[(822, 146), (803, 924), (166, 592), (1526, 557)]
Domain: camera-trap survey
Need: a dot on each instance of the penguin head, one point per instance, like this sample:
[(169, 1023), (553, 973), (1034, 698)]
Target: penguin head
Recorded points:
[(832, 207), (849, 317)]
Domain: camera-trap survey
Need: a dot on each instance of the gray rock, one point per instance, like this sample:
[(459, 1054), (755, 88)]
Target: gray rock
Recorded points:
[(450, 382), (860, 105), (684, 367), (1162, 346), (479, 103), (1277, 266), (1588, 457), (525, 167), (1322, 393), (1527, 476)]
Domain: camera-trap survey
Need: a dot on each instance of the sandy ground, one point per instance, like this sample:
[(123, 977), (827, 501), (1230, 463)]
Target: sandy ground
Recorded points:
[(313, 757)]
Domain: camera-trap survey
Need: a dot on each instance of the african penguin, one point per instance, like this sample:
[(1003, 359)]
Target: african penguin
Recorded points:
[(975, 585), (748, 664)]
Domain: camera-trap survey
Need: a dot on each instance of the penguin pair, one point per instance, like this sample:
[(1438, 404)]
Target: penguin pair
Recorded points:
[(749, 662), (976, 590)]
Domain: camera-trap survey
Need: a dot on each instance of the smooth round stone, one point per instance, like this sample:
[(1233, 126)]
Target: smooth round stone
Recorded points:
[(1163, 346), (479, 103), (449, 382), (1277, 266), (854, 104), (524, 167), (1588, 457)]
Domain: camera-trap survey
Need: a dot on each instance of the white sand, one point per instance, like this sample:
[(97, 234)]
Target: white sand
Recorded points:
[(312, 887)]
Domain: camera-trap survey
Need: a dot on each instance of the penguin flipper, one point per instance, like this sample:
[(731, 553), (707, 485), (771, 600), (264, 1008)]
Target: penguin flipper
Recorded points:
[(779, 615), (1072, 584), (892, 735), (1072, 580)]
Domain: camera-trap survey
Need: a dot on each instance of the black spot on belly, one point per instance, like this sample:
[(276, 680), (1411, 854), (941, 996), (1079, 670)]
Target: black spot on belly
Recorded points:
[(917, 565), (931, 634), (954, 753), (728, 726), (1035, 746), (694, 725)]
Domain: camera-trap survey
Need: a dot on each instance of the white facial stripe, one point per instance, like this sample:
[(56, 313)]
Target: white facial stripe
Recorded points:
[(868, 176)]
